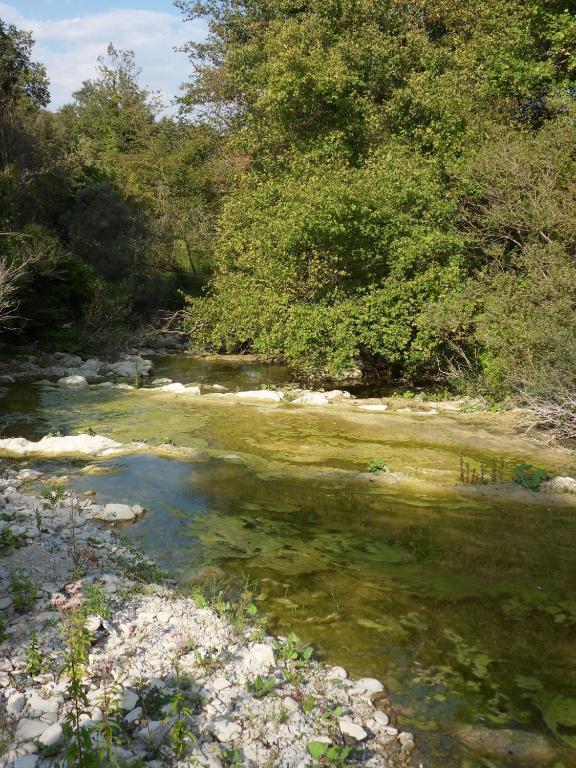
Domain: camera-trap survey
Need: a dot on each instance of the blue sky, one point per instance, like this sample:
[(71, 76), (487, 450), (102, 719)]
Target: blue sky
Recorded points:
[(71, 34)]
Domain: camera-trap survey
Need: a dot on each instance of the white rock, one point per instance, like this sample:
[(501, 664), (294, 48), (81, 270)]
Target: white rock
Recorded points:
[(113, 513), (225, 730), (559, 485), (29, 474), (153, 733), (338, 672), (259, 657), (311, 398), (372, 407), (405, 737), (338, 395), (93, 445), (366, 686), (161, 382), (381, 718), (5, 602), (258, 394), (179, 389), (220, 684), (15, 704), (73, 381), (128, 700), (29, 730), (40, 706), (352, 729), (52, 735)]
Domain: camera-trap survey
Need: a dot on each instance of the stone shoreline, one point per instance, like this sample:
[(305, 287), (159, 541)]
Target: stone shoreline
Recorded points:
[(251, 699)]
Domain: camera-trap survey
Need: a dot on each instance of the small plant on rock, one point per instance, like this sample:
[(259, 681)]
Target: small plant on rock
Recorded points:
[(181, 737), (261, 686), (232, 758), (53, 494), (95, 601), (35, 660), (23, 591), (108, 728), (8, 541), (329, 754), (377, 466), (529, 476), (79, 750), (294, 650)]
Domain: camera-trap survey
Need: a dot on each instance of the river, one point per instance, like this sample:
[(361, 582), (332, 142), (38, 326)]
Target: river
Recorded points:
[(462, 603)]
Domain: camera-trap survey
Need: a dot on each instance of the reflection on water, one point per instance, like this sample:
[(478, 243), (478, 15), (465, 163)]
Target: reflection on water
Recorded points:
[(465, 607)]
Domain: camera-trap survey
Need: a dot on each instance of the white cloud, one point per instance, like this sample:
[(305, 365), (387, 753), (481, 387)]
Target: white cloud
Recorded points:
[(70, 47)]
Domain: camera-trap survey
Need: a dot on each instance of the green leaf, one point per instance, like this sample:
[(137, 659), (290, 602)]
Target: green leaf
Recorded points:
[(317, 749)]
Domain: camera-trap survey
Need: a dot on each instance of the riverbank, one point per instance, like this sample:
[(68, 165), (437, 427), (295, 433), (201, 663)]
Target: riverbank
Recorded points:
[(165, 669)]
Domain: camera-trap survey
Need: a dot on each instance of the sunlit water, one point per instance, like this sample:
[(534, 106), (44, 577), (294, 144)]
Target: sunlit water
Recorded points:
[(465, 606)]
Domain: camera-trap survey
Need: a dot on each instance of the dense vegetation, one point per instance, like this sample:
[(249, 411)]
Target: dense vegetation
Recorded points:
[(106, 207), (380, 183)]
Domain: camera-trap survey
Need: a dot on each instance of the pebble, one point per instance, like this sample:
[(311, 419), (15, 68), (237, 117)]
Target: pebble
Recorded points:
[(52, 736), (28, 730), (128, 700), (350, 728), (225, 730), (366, 686)]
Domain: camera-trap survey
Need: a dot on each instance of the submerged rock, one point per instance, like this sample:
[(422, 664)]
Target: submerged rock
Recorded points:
[(311, 398), (179, 389), (259, 394), (520, 748), (338, 395), (374, 407)]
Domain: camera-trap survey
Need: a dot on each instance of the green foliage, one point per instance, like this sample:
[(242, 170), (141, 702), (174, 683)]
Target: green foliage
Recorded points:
[(407, 196), (377, 466), (8, 541), (53, 494), (35, 659), (329, 754), (22, 590), (95, 602), (294, 650), (529, 476), (261, 686)]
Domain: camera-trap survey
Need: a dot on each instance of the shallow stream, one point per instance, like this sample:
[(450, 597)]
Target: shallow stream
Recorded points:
[(463, 604)]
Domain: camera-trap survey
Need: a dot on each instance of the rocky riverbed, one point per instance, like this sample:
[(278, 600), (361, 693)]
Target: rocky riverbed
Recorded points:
[(173, 679)]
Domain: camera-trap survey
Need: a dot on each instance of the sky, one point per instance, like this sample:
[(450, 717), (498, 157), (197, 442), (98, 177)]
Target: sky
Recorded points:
[(71, 34)]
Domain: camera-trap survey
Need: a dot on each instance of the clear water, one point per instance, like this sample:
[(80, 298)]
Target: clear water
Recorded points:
[(464, 605)]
